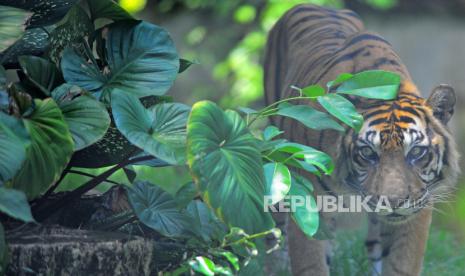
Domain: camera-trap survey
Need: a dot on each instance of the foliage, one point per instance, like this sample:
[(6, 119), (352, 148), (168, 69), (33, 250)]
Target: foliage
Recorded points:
[(68, 100)]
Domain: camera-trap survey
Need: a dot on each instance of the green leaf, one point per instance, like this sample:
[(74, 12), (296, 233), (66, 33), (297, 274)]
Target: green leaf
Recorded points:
[(309, 117), (205, 224), (12, 25), (226, 164), (13, 143), (271, 132), (343, 109), (339, 79), (184, 64), (14, 204), (306, 214), (41, 72), (141, 57), (45, 12), (308, 154), (159, 130), (375, 84), (87, 118), (157, 209), (313, 91), (33, 42), (185, 194), (203, 265), (107, 9), (50, 150), (278, 181), (72, 33)]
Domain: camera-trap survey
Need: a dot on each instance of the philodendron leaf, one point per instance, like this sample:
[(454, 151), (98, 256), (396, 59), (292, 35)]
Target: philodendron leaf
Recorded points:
[(13, 143), (41, 72), (12, 25), (226, 164), (374, 84), (305, 213), (343, 109), (50, 150), (87, 118), (309, 117), (159, 130), (278, 181), (204, 223), (157, 209), (14, 204), (141, 58)]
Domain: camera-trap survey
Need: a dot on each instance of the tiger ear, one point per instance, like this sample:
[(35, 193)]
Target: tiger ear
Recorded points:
[(442, 100)]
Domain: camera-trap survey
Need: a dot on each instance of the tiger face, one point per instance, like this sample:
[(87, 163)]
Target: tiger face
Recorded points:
[(404, 152)]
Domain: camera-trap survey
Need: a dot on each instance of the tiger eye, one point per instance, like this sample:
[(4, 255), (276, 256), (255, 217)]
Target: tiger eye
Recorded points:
[(367, 153), (416, 153)]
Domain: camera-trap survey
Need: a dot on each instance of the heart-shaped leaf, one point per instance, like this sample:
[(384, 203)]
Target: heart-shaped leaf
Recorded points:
[(87, 118), (305, 214), (50, 150), (374, 84), (309, 117), (12, 25), (205, 224), (14, 204), (159, 130), (157, 209), (141, 57), (13, 142), (278, 181), (41, 72), (343, 109), (221, 140)]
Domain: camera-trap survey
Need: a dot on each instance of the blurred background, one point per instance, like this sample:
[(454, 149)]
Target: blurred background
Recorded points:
[(227, 38)]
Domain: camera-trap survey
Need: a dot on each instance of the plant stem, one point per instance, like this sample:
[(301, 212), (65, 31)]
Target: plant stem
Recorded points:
[(42, 213), (264, 112), (92, 175)]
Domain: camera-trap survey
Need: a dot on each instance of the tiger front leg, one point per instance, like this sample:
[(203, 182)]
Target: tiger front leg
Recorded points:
[(308, 257), (404, 245)]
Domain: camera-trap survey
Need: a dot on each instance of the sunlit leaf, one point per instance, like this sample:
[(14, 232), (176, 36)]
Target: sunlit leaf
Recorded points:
[(107, 9), (343, 109), (313, 91), (375, 84), (87, 118), (309, 117), (278, 181), (221, 140), (159, 130), (141, 57), (203, 265), (339, 79), (306, 214), (50, 150)]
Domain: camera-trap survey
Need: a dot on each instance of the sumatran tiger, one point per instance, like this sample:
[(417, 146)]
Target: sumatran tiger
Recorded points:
[(404, 149)]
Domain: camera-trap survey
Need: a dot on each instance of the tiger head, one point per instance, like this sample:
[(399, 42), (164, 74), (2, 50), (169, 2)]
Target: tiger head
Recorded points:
[(403, 152)]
